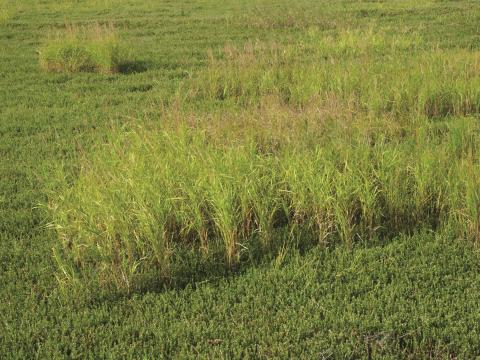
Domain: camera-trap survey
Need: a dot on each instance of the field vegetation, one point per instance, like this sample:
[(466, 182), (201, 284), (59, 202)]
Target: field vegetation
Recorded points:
[(348, 138), (250, 179), (92, 48)]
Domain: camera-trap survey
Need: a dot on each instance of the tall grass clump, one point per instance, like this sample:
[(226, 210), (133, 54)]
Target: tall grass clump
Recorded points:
[(365, 71), (343, 139), (89, 48), (170, 197), (4, 13), (149, 196)]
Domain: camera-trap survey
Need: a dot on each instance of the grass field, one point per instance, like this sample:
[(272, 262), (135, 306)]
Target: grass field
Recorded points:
[(239, 179)]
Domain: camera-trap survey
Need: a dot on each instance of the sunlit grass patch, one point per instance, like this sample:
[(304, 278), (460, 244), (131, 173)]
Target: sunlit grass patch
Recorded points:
[(330, 137), (4, 15), (5, 11), (366, 71), (227, 187), (94, 48), (394, 155)]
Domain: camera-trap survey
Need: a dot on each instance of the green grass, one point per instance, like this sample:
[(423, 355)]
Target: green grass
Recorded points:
[(85, 49), (375, 258), (146, 195), (342, 174)]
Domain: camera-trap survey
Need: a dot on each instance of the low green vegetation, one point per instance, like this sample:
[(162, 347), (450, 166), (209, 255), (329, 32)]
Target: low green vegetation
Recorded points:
[(245, 179)]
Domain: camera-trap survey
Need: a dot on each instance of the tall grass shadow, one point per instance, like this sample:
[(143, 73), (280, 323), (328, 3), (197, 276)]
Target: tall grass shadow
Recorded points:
[(132, 67), (191, 270)]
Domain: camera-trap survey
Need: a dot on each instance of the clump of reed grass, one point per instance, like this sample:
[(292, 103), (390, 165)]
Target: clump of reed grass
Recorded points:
[(365, 71), (346, 149), (4, 15), (283, 16), (89, 48), (151, 195)]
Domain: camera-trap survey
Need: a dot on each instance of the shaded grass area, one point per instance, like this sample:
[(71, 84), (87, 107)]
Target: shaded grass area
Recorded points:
[(413, 298), (48, 118)]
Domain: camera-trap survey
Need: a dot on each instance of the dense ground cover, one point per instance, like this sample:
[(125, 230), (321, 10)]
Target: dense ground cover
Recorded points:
[(380, 98)]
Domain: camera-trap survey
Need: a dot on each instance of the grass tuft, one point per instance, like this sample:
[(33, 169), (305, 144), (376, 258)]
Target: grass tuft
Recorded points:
[(365, 72), (226, 193), (311, 142), (93, 48)]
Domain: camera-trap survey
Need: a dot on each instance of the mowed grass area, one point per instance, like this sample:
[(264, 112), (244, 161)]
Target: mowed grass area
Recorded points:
[(381, 96)]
